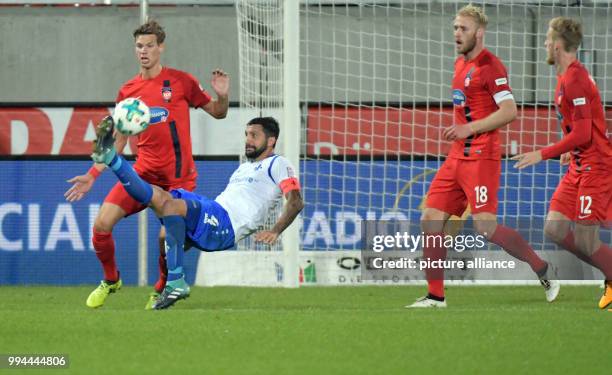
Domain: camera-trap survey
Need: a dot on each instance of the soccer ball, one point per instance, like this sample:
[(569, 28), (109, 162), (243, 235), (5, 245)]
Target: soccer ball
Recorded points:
[(131, 116)]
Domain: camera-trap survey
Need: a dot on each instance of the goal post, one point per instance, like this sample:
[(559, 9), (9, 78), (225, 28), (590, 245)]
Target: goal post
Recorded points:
[(268, 33), (291, 126)]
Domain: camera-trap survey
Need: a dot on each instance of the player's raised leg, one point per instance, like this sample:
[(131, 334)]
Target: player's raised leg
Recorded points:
[(140, 190)]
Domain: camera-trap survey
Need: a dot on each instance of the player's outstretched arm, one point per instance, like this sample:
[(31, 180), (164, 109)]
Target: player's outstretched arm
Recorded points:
[(82, 184), (292, 208), (220, 83), (580, 134)]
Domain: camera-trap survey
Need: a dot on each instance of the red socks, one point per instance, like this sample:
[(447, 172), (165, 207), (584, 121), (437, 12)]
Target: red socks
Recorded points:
[(569, 244), (515, 245), (602, 259), (163, 268), (435, 277), (104, 245)]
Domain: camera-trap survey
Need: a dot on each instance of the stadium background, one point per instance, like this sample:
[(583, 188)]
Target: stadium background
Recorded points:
[(374, 91), (61, 74)]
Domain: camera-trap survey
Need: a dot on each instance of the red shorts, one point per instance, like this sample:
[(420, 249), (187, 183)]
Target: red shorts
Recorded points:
[(584, 197), (121, 198), (461, 182)]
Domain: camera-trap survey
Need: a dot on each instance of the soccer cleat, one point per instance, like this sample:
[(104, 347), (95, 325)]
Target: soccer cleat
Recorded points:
[(98, 296), (175, 290), (606, 299), (425, 302), (152, 299), (104, 145), (550, 283)]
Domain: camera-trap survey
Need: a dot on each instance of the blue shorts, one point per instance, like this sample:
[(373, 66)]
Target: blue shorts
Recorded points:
[(208, 226)]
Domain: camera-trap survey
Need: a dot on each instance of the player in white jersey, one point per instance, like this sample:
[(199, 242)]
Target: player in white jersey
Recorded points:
[(210, 225)]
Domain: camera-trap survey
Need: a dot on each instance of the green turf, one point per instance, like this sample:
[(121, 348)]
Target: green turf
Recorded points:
[(359, 330)]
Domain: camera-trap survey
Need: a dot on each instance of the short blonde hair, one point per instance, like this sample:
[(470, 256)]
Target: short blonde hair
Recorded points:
[(474, 12), (568, 30)]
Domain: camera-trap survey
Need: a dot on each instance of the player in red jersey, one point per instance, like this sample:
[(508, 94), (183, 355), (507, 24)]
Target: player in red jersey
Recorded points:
[(164, 149), (483, 102), (584, 194)]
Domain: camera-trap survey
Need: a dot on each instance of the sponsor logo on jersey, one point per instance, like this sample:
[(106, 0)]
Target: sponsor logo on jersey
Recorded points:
[(579, 101), (501, 81), (458, 98), (238, 180), (158, 114), (166, 94)]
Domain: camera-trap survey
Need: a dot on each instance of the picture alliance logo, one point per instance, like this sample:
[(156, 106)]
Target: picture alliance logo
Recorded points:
[(349, 263)]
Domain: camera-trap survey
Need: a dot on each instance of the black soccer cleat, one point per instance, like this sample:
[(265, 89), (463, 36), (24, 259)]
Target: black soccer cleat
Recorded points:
[(104, 145)]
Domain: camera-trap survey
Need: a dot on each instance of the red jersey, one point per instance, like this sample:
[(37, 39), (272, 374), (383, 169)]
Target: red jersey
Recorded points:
[(164, 149), (579, 104), (478, 86)]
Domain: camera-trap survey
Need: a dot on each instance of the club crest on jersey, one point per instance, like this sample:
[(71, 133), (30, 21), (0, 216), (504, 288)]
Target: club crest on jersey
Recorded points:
[(210, 220), (158, 114), (559, 116), (468, 78), (166, 94), (458, 98)]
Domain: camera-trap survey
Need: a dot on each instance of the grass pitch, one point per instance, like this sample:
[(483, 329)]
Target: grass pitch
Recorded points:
[(346, 330)]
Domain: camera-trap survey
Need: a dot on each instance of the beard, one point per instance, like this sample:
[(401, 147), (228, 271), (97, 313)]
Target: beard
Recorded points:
[(254, 154), (550, 59), (468, 45)]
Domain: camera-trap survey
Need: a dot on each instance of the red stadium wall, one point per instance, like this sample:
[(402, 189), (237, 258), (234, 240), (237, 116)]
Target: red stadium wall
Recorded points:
[(371, 131), (402, 131)]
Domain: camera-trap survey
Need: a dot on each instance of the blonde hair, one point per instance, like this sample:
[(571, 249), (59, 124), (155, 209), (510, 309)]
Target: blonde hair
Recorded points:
[(474, 12), (568, 30)]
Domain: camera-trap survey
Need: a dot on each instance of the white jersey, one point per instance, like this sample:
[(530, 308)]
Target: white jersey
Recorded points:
[(252, 189)]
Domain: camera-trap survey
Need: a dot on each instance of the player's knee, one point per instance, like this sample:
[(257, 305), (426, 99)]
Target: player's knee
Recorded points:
[(586, 241), (554, 231), (431, 221), (103, 225), (485, 227), (173, 207)]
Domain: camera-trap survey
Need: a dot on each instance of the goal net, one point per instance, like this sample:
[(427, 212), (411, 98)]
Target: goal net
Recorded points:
[(375, 93), (261, 93)]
